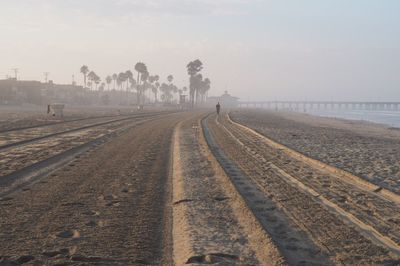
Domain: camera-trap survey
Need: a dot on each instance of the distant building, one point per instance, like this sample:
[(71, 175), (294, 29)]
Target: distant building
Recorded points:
[(226, 100), (14, 91), (66, 93)]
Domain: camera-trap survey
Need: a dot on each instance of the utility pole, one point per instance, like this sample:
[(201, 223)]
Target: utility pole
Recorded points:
[(73, 79), (15, 72), (46, 75)]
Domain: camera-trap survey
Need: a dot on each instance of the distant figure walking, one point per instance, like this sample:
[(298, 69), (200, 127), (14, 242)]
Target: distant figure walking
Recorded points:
[(218, 106)]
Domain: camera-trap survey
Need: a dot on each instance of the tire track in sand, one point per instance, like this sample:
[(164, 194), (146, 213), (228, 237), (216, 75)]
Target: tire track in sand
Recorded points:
[(211, 222), (339, 240)]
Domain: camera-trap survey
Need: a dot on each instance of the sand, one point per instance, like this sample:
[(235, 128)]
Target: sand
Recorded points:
[(13, 117), (211, 222), (156, 193), (339, 217), (367, 150), (109, 206)]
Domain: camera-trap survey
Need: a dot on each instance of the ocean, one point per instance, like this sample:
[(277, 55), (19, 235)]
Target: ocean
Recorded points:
[(390, 118)]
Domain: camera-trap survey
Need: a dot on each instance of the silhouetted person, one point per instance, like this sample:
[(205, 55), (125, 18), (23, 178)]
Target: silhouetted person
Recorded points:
[(218, 106)]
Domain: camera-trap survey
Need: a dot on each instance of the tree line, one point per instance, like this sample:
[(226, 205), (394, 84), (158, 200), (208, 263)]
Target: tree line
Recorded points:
[(125, 81)]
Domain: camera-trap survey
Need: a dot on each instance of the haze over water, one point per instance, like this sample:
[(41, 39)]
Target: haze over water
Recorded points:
[(390, 118)]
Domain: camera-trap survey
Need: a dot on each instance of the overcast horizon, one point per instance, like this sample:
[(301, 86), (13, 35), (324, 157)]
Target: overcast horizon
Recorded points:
[(255, 49)]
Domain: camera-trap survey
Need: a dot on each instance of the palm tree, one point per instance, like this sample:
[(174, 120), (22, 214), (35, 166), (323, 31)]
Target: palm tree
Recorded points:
[(152, 79), (174, 88), (129, 77), (97, 81), (91, 76), (122, 78), (141, 68), (84, 71), (195, 84), (193, 69), (184, 89), (114, 77), (207, 86), (145, 85), (166, 90), (119, 82), (170, 78), (108, 81), (132, 82), (144, 76), (155, 90), (102, 85)]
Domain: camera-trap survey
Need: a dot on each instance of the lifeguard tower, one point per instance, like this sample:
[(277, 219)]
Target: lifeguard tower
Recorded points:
[(56, 110)]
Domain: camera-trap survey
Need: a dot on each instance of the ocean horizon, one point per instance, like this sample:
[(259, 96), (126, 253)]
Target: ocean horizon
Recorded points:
[(386, 117)]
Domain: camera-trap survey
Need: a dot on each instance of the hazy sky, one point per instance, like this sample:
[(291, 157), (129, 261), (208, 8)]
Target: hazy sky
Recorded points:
[(257, 49)]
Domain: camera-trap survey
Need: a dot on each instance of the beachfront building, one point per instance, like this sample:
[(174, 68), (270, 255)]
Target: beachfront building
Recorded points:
[(226, 100), (14, 91), (66, 93), (17, 92)]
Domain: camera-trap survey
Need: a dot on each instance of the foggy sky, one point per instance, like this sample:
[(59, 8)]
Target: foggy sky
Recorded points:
[(257, 50)]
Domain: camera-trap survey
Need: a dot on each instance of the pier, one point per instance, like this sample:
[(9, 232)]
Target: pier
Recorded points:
[(306, 105)]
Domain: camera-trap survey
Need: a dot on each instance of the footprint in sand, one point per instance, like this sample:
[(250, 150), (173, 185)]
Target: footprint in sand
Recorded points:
[(107, 197), (110, 200), (21, 260), (25, 259), (91, 223), (53, 253), (92, 213), (69, 234), (221, 198), (213, 258), (6, 199), (102, 223)]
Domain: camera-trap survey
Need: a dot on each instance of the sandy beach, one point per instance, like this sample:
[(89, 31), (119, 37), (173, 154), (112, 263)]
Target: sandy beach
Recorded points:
[(370, 151), (177, 188)]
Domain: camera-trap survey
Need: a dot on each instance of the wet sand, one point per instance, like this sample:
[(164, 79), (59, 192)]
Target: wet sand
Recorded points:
[(370, 151)]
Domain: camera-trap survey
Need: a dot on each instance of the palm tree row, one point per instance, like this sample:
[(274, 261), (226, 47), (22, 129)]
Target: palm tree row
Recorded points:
[(168, 90), (93, 78), (125, 81), (198, 87)]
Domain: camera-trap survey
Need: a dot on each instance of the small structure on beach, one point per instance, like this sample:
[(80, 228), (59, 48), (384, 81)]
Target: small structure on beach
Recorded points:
[(226, 100), (56, 110)]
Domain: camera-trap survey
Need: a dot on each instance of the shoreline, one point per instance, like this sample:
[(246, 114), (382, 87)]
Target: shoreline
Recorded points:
[(366, 127), (352, 115)]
